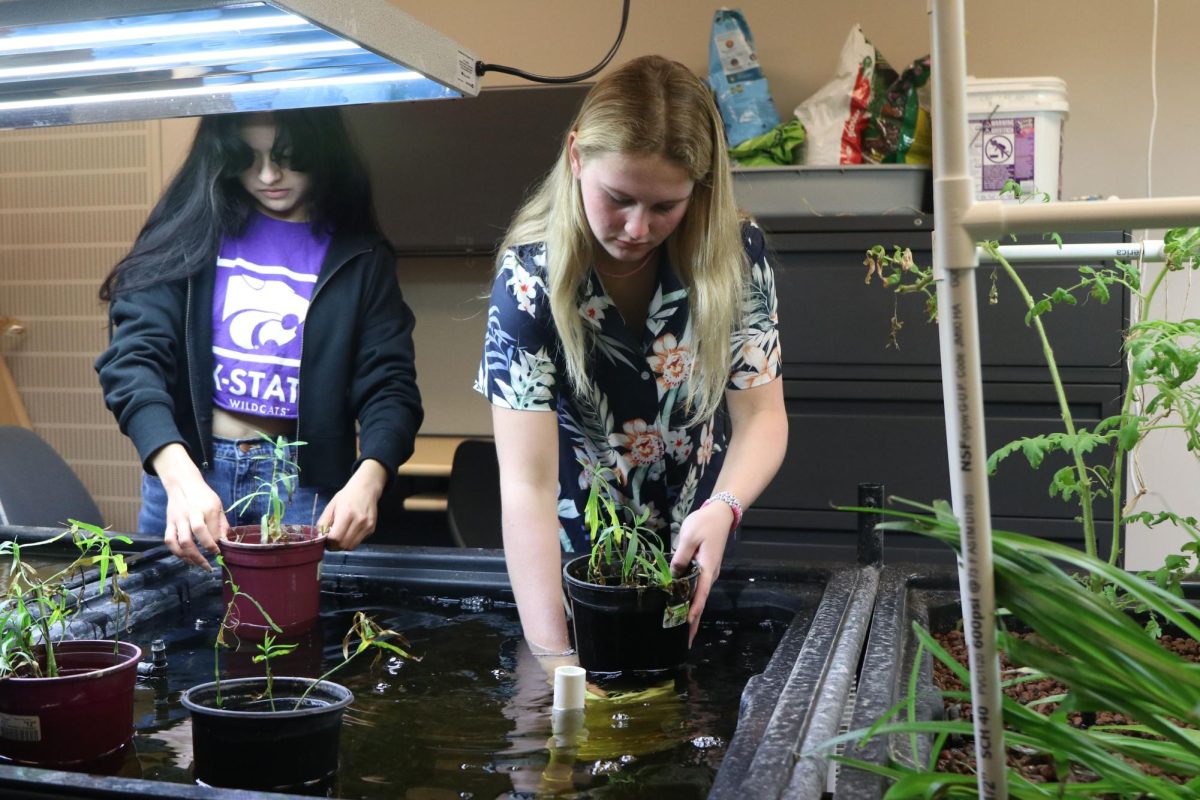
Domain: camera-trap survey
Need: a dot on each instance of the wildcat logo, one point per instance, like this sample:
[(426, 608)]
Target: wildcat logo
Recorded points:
[(260, 311)]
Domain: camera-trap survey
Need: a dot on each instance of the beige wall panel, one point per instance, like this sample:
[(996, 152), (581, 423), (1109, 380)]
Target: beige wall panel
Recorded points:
[(54, 299), (52, 371), (108, 479), (99, 444), (64, 335), (60, 154), (78, 191), (71, 227), (68, 407), (59, 261), (71, 201)]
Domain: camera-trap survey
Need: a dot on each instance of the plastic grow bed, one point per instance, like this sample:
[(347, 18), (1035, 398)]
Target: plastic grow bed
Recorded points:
[(908, 594), (816, 617)]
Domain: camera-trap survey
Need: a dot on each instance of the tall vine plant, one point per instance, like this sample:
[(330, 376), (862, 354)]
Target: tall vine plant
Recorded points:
[(1163, 357)]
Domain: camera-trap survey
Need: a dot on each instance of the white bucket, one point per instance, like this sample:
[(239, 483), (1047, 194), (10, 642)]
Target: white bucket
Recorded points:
[(1015, 133)]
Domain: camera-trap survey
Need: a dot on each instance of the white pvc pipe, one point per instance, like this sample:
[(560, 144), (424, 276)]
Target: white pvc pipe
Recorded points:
[(1149, 250), (992, 219), (960, 223), (954, 261), (570, 686)]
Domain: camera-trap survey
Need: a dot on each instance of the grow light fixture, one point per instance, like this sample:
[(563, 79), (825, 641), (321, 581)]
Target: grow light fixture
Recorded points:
[(85, 61)]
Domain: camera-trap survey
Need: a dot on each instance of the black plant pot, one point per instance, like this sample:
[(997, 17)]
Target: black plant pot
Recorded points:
[(628, 630), (245, 745)]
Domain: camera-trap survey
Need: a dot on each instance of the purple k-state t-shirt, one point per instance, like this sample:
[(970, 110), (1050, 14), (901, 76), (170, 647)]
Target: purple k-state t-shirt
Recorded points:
[(265, 280)]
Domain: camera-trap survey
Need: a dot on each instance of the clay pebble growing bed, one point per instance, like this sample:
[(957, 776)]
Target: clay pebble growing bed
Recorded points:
[(959, 756)]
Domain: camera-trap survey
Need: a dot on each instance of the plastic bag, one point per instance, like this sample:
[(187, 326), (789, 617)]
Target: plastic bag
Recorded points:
[(899, 130), (780, 146), (835, 116), (737, 79)]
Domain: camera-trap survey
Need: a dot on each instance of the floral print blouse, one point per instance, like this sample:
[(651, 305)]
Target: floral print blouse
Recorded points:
[(633, 419)]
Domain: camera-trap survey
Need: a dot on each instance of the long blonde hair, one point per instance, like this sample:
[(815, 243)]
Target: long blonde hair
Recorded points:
[(650, 106)]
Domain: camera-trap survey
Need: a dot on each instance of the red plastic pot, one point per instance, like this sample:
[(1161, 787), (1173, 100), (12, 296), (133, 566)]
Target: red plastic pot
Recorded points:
[(284, 577), (77, 718)]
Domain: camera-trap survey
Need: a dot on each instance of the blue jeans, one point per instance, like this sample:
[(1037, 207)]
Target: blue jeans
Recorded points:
[(236, 468)]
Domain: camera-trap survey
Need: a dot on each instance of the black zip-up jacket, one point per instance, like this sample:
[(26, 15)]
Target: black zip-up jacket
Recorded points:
[(356, 365)]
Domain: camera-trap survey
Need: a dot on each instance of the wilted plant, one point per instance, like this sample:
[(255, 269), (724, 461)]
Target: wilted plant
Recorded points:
[(365, 631), (34, 605)]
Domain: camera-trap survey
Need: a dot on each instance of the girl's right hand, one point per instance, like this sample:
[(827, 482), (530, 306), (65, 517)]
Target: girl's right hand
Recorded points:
[(194, 511)]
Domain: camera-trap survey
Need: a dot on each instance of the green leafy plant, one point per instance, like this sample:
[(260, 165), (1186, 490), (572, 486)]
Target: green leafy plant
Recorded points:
[(34, 605), (278, 490), (624, 551), (267, 650), (1095, 651), (228, 625), (1163, 357), (364, 633)]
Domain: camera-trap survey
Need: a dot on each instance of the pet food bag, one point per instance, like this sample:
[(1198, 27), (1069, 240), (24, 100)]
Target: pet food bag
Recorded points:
[(737, 79)]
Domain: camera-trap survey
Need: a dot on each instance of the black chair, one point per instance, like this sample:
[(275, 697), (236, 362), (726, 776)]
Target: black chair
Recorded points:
[(473, 496), (37, 487)]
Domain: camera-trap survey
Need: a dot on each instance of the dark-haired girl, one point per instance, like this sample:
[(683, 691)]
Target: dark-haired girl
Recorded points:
[(260, 298)]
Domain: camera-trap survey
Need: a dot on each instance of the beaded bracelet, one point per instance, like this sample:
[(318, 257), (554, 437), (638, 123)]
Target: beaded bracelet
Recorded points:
[(728, 499)]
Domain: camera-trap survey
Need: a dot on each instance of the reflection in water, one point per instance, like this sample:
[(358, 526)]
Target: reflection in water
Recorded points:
[(472, 718)]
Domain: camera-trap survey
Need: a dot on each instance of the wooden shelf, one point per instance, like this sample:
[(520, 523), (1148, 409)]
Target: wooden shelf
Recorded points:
[(426, 501), (432, 456)]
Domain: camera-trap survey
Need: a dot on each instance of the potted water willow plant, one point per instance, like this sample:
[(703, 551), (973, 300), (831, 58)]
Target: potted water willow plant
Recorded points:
[(1098, 702), (63, 703), (274, 733), (629, 611), (277, 563)]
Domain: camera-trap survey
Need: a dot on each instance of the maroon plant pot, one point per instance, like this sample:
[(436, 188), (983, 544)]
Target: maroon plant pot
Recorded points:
[(284, 577), (77, 718)]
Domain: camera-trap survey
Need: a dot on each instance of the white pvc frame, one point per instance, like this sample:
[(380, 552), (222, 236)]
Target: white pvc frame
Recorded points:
[(960, 222)]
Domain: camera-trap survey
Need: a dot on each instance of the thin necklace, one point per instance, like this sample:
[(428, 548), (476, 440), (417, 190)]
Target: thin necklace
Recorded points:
[(632, 272)]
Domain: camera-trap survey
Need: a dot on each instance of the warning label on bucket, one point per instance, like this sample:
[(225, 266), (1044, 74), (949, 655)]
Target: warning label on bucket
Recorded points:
[(18, 728), (1002, 149)]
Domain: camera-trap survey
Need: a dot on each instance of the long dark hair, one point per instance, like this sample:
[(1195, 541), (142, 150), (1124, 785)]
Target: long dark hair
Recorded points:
[(205, 201)]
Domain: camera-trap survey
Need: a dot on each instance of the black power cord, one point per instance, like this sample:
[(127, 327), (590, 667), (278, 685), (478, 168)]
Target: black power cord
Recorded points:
[(481, 67)]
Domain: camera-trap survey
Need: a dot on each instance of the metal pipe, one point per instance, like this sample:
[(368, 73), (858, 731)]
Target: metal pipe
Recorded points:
[(870, 538)]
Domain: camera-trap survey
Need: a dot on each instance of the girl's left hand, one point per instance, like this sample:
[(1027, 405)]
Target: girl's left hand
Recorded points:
[(351, 515), (702, 537)]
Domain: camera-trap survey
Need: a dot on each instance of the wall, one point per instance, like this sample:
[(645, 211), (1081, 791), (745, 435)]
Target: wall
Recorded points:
[(1102, 55), (71, 200), (1101, 50)]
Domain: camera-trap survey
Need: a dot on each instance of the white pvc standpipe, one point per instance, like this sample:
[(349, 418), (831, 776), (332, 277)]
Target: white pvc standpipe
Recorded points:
[(960, 222), (954, 262)]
